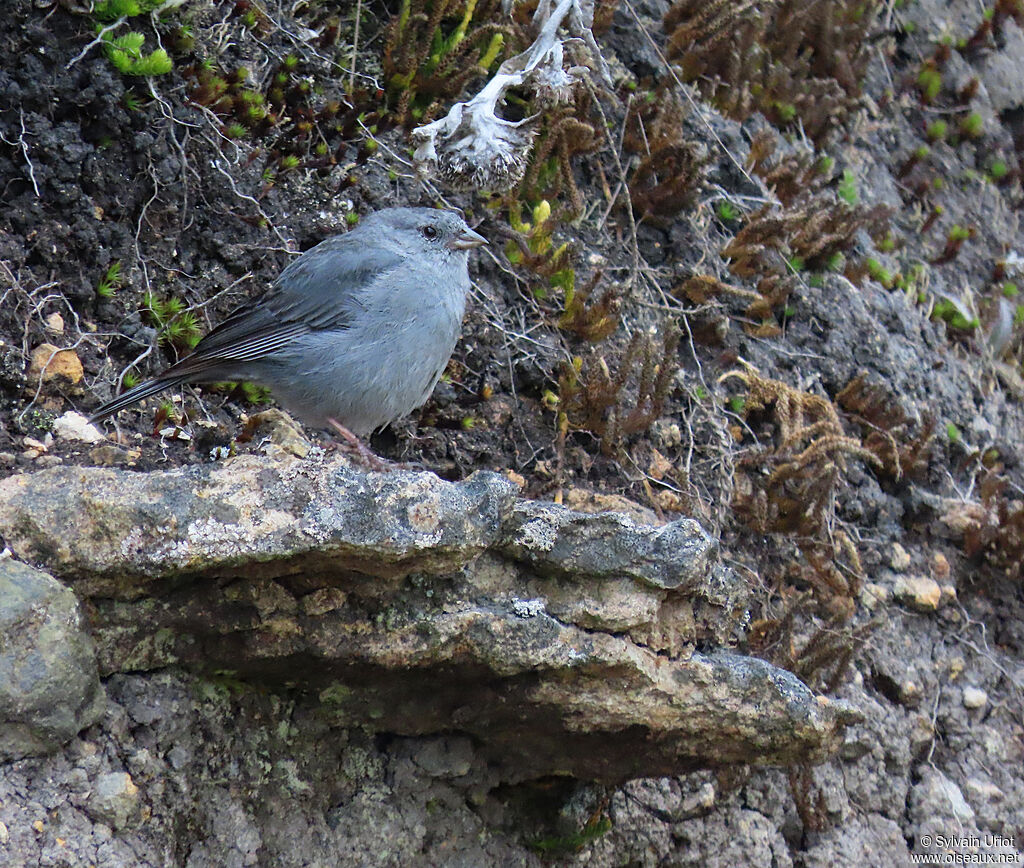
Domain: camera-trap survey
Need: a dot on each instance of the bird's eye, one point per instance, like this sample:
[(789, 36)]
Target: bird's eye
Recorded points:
[(430, 231)]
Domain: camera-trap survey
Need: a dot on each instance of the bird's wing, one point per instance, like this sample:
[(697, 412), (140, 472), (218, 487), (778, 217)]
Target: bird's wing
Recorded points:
[(322, 289)]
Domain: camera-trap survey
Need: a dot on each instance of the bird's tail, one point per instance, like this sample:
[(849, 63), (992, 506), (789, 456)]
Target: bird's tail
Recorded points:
[(134, 395)]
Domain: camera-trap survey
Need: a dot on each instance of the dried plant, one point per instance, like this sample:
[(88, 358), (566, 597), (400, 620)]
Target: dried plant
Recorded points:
[(789, 59), (433, 48), (789, 488), (566, 132), (588, 317), (792, 177), (887, 429), (473, 146), (810, 229), (614, 406), (996, 531), (669, 172)]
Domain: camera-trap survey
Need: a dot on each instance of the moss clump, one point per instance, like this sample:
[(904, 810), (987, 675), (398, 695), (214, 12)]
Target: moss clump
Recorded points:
[(126, 54), (176, 326)]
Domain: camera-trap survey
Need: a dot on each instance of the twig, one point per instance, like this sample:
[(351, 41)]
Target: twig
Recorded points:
[(24, 150), (355, 47), (97, 41), (686, 93)]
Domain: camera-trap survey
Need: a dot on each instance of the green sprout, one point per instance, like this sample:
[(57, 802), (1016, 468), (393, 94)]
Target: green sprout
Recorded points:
[(110, 281), (492, 51), (954, 315), (972, 126), (847, 189), (998, 170), (112, 10), (878, 273), (132, 101), (929, 80), (125, 53), (351, 218), (175, 324), (952, 432), (726, 211), (253, 394), (936, 131)]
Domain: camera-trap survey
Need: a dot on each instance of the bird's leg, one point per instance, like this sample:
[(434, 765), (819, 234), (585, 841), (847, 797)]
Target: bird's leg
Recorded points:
[(371, 460)]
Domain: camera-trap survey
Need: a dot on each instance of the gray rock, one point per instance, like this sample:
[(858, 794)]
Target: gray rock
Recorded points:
[(561, 641), (868, 840), (936, 797), (49, 686), (1001, 70), (115, 800)]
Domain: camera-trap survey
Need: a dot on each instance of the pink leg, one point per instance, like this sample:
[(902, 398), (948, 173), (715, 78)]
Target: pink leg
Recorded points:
[(371, 460)]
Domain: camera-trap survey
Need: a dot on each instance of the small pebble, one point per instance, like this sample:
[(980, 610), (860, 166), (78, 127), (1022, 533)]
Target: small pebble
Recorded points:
[(899, 560), (55, 323), (974, 697), (49, 362), (910, 694), (873, 595), (918, 593), (74, 426)]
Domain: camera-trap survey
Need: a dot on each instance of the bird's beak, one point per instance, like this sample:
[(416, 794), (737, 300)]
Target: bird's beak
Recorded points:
[(467, 241)]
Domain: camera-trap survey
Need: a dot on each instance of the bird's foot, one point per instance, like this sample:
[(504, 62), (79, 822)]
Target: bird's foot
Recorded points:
[(373, 462)]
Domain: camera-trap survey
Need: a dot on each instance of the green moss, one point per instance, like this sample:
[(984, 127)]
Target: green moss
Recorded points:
[(998, 170), (880, 274), (972, 126), (125, 53), (567, 844), (175, 324), (110, 281), (929, 80), (847, 189), (726, 211)]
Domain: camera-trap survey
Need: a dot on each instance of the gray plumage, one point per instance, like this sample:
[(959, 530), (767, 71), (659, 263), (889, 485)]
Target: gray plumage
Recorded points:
[(358, 329)]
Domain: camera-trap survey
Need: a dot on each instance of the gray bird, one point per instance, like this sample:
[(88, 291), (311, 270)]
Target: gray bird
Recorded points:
[(353, 334)]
